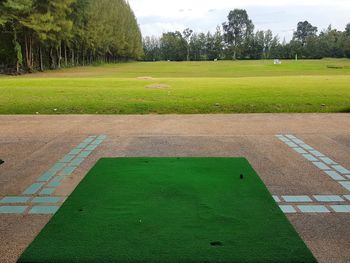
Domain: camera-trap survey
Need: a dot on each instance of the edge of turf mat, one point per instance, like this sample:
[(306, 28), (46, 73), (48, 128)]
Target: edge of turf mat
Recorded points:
[(169, 210)]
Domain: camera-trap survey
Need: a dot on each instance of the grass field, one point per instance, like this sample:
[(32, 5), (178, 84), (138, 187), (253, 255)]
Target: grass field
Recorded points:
[(182, 87), (169, 210)]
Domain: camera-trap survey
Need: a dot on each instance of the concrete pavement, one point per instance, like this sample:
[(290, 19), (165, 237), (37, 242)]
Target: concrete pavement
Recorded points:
[(32, 145)]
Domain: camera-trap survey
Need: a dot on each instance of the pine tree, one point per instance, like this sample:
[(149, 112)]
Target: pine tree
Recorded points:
[(76, 32), (14, 13)]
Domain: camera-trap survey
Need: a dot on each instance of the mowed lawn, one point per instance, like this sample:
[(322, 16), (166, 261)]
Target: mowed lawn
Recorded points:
[(182, 87)]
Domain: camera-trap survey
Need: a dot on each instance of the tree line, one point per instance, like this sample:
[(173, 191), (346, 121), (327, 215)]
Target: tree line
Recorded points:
[(50, 34), (237, 39)]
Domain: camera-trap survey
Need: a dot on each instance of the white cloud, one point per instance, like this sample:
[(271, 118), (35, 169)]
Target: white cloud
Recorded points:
[(158, 16)]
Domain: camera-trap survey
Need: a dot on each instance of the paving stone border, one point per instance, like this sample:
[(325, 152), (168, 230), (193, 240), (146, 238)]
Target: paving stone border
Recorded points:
[(39, 197), (327, 203)]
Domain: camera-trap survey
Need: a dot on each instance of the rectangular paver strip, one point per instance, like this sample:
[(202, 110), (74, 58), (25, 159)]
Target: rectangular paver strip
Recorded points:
[(47, 176), (47, 191), (33, 189), (345, 185), (313, 209), (292, 144), (97, 142), (67, 158), (283, 139), (14, 199), (84, 154), (341, 208), (298, 141), (75, 151), (300, 150), (321, 166), (68, 170), (328, 198), (341, 169), (310, 157), (296, 199), (327, 160), (77, 161), (307, 147), (89, 140), (58, 178), (43, 209), (54, 184), (288, 209), (91, 147), (46, 200), (58, 166), (276, 198), (12, 209), (102, 137), (316, 153), (81, 146), (335, 175)]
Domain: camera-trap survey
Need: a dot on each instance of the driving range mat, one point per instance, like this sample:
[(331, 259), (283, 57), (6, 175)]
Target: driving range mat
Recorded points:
[(169, 210)]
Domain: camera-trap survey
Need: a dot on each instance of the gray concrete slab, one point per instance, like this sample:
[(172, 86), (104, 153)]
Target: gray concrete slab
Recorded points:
[(31, 145)]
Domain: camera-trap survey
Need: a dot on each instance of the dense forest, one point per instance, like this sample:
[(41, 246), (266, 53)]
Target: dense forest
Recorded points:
[(49, 34), (236, 39)]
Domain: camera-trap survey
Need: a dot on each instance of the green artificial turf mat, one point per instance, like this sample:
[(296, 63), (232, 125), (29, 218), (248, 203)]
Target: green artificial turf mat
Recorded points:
[(169, 210)]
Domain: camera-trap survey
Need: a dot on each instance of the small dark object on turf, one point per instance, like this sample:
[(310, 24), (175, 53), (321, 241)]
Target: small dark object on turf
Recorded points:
[(216, 244), (241, 176), (81, 210), (1, 162)]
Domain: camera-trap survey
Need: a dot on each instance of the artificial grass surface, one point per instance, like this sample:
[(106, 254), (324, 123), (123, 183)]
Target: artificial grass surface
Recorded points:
[(169, 210)]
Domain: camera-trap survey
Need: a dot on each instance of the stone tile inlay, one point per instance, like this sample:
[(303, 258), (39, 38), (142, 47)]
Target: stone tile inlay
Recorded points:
[(327, 165), (42, 190)]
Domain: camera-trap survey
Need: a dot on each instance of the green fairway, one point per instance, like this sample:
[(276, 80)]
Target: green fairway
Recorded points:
[(182, 87), (169, 210)]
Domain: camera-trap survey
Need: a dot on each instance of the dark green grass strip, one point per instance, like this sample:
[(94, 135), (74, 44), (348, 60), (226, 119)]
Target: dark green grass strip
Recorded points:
[(169, 210)]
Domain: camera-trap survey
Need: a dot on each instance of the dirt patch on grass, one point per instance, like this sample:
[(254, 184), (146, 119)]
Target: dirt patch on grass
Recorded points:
[(145, 78), (157, 86)]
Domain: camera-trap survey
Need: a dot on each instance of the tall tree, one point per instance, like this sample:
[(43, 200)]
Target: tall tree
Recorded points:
[(304, 30), (15, 13), (50, 31), (237, 29), (173, 46), (151, 49), (347, 29), (268, 38), (330, 43), (214, 44), (346, 41), (60, 9), (187, 36)]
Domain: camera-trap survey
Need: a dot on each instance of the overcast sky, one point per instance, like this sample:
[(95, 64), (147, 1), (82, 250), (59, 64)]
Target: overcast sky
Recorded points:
[(281, 16)]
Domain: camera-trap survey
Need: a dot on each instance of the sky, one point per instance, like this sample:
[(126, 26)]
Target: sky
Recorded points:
[(281, 16)]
